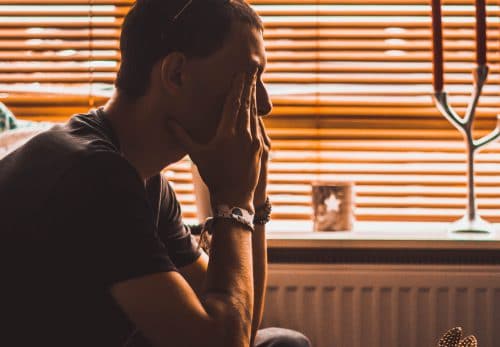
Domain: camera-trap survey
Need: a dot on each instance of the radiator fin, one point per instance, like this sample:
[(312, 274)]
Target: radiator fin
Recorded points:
[(384, 306)]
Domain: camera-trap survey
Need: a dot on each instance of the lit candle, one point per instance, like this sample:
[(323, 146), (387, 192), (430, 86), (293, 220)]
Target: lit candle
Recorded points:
[(437, 46), (480, 32)]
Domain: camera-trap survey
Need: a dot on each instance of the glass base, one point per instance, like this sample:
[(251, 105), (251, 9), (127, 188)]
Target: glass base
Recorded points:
[(476, 226)]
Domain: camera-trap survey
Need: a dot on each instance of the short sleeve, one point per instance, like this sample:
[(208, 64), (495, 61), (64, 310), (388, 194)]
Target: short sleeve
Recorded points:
[(181, 244), (106, 211)]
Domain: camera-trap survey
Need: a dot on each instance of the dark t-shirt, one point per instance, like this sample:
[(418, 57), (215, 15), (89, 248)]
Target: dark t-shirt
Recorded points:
[(75, 218)]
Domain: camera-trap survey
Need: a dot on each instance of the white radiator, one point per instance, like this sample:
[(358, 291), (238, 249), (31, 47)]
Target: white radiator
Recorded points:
[(384, 305)]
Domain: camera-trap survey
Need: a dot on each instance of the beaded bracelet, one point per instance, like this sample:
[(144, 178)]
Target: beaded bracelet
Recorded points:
[(263, 213)]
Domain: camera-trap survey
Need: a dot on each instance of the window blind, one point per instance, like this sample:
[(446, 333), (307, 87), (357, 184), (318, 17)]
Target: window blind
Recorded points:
[(351, 87), (58, 57)]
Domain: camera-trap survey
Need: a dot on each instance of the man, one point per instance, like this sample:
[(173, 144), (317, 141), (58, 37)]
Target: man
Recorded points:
[(95, 251)]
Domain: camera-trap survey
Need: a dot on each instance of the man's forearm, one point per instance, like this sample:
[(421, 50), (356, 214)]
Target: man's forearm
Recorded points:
[(229, 277), (259, 252)]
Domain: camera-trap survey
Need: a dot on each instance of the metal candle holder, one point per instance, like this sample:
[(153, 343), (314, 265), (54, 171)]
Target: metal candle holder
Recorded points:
[(471, 222)]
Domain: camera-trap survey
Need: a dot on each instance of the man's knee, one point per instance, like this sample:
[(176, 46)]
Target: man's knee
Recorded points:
[(279, 337)]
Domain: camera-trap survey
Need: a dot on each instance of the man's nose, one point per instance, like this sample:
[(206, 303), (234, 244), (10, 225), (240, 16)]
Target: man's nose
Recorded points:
[(264, 104)]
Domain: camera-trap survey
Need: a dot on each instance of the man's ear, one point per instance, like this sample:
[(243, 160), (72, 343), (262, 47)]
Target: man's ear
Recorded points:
[(172, 69)]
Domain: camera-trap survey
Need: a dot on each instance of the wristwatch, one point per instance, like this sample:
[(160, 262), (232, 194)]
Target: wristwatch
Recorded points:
[(236, 213)]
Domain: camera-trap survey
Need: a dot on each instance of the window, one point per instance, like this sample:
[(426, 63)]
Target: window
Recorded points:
[(351, 85), (58, 57)]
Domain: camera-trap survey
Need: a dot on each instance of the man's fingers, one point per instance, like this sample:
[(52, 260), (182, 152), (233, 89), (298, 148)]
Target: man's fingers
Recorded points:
[(182, 136), (232, 105), (246, 103), (254, 122), (265, 137)]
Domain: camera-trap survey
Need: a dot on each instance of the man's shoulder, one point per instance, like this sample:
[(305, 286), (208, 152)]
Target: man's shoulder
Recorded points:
[(82, 133), (48, 155), (61, 156)]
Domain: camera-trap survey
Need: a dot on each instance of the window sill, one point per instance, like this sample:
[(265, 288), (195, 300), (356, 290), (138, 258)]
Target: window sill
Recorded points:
[(379, 236)]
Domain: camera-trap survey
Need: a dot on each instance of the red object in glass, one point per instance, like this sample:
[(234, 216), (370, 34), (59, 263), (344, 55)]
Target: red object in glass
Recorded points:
[(437, 46), (480, 32)]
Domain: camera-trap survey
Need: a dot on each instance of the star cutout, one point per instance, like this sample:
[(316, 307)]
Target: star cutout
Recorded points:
[(332, 203)]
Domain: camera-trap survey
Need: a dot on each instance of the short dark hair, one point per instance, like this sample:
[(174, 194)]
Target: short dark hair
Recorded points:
[(149, 34)]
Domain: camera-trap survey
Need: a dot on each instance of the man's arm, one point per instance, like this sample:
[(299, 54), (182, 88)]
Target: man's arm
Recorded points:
[(196, 273), (162, 305), (259, 252), (259, 243)]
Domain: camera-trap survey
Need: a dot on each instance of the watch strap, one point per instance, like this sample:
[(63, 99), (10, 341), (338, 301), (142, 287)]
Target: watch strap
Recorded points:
[(238, 214)]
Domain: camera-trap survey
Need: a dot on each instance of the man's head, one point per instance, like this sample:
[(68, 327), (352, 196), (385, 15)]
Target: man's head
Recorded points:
[(186, 52)]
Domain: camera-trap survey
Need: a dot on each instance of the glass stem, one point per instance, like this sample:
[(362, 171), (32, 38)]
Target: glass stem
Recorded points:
[(471, 195)]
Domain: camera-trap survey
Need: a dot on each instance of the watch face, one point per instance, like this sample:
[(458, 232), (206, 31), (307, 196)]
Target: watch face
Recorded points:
[(237, 211)]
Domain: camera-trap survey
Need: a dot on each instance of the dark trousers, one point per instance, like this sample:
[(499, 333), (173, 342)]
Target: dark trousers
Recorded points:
[(279, 337), (269, 337)]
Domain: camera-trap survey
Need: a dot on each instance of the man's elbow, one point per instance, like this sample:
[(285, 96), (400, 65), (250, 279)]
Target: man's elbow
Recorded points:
[(231, 322)]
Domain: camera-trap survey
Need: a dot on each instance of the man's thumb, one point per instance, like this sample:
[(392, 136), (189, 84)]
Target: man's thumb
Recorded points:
[(182, 136)]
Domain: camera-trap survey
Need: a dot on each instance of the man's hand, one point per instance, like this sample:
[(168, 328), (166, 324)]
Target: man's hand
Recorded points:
[(261, 189), (231, 162)]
